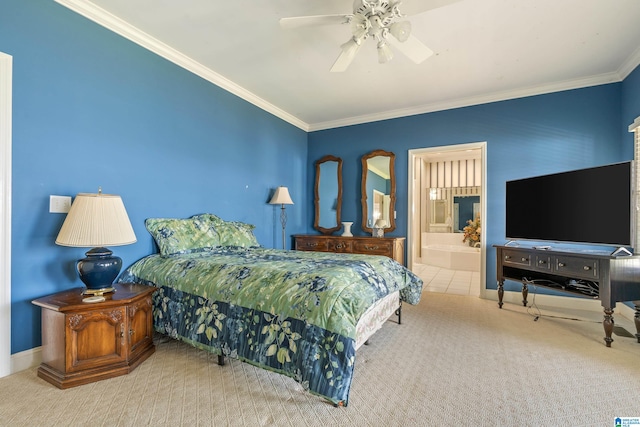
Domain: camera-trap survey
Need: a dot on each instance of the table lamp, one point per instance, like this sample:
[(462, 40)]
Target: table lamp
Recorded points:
[(96, 221)]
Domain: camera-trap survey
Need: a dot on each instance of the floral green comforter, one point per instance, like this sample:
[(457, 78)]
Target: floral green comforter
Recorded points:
[(291, 312)]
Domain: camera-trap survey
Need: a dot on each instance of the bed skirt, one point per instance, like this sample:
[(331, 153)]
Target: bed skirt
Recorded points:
[(322, 361)]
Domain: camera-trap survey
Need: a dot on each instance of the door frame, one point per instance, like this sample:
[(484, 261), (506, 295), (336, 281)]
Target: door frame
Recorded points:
[(6, 67), (415, 198)]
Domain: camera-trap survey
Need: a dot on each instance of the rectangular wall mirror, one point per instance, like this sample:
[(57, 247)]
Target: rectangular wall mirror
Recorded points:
[(451, 208)]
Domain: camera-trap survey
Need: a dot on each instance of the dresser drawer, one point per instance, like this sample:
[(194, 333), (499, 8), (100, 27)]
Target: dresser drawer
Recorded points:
[(516, 257), (373, 247), (578, 267), (312, 244), (343, 246)]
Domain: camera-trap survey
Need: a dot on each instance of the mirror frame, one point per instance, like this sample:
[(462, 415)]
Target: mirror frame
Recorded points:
[(363, 189), (316, 222)]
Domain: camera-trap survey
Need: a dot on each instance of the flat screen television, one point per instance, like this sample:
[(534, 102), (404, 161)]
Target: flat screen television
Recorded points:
[(591, 206)]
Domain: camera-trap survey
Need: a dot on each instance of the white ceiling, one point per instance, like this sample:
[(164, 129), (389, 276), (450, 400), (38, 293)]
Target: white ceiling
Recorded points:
[(485, 50)]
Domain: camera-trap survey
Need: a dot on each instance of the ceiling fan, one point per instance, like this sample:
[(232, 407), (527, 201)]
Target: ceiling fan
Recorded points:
[(375, 19)]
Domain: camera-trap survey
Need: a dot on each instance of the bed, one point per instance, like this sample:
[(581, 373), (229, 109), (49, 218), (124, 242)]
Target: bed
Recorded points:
[(301, 314)]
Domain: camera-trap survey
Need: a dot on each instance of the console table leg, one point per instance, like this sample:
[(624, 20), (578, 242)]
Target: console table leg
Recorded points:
[(636, 320), (500, 292), (525, 293), (607, 323)]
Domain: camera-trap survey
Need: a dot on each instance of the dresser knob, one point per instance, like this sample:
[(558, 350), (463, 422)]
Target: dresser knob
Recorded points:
[(541, 262), (561, 264), (586, 268), (507, 257), (523, 259)]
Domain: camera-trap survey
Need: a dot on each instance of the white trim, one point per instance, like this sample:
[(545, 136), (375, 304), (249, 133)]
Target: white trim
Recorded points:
[(128, 31), (635, 125), (629, 65), (6, 66), (413, 154), (26, 359)]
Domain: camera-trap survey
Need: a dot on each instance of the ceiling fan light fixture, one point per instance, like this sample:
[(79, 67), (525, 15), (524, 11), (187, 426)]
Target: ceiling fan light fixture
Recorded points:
[(359, 27), (401, 30), (385, 54)]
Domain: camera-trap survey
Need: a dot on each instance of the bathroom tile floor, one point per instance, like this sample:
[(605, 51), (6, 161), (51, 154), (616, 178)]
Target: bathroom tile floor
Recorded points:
[(445, 281)]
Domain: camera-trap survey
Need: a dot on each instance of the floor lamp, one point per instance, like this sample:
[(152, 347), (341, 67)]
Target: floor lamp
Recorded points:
[(282, 197)]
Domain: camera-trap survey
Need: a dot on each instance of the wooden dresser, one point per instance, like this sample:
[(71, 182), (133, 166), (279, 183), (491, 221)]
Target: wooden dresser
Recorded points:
[(393, 247)]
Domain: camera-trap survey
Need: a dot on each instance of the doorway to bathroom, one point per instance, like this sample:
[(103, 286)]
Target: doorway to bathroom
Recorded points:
[(447, 207)]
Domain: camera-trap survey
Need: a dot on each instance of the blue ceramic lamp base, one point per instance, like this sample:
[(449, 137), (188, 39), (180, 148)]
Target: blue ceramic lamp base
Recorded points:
[(98, 271)]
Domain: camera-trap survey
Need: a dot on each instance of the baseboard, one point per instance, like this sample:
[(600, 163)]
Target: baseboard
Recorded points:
[(555, 301), (26, 359)]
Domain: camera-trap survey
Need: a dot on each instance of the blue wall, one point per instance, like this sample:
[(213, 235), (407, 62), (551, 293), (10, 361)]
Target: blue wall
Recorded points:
[(92, 109), (525, 137)]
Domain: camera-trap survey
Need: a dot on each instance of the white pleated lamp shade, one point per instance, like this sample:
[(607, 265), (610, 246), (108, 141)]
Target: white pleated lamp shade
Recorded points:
[(281, 197), (96, 220)]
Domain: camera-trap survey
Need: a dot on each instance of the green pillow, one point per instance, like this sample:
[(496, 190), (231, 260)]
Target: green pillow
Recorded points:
[(173, 235), (236, 233)]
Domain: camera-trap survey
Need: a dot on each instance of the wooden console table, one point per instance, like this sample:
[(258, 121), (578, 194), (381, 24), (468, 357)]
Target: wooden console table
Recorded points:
[(393, 247), (588, 274)]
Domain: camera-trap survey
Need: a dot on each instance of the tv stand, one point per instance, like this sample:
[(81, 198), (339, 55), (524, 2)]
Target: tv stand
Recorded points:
[(615, 279)]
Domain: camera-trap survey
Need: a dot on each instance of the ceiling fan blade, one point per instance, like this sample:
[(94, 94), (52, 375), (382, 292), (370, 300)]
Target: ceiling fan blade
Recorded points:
[(413, 48), (305, 21), (349, 50), (414, 7)]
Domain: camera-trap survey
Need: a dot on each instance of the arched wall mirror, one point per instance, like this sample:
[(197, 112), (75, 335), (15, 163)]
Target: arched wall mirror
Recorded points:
[(378, 189), (328, 194)]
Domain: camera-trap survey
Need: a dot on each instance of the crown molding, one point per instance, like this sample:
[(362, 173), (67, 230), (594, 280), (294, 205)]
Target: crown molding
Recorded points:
[(128, 31), (476, 100), (629, 65)]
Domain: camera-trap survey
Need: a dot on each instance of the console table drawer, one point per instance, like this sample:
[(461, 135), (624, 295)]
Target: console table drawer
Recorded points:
[(516, 257), (543, 263), (578, 267)]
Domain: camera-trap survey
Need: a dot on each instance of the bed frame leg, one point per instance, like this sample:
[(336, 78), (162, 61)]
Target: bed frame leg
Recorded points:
[(399, 313), (220, 360)]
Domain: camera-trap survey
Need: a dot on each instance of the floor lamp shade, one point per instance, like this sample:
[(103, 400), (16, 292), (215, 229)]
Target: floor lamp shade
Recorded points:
[(96, 221), (282, 197)]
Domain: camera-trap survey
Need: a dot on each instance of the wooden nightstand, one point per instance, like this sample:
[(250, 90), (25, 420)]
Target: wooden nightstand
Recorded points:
[(85, 342)]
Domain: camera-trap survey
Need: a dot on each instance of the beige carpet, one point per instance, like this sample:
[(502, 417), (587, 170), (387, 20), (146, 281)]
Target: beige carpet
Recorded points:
[(455, 361)]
